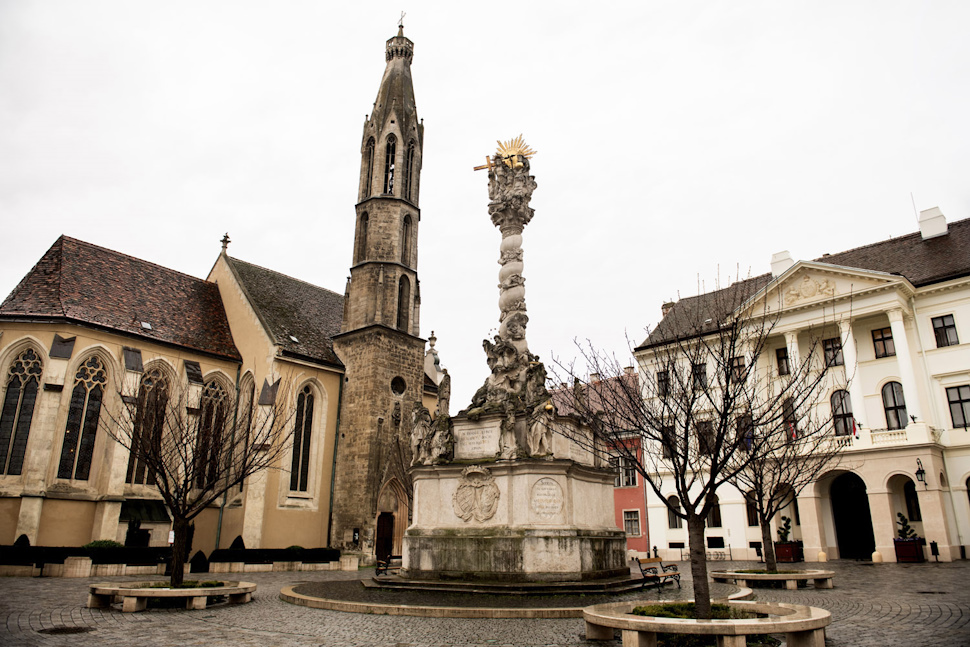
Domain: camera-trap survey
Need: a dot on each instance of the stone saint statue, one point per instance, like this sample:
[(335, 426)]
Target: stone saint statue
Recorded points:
[(421, 437), (444, 394), (540, 431)]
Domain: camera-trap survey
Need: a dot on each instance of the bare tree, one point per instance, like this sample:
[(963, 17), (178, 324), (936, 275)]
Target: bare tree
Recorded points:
[(195, 442), (708, 386)]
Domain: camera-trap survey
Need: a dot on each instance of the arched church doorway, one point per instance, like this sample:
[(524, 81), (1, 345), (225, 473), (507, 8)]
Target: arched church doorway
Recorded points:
[(385, 536), (853, 522)]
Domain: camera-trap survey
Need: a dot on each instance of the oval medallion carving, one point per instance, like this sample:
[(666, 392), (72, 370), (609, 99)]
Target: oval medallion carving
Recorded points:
[(477, 495)]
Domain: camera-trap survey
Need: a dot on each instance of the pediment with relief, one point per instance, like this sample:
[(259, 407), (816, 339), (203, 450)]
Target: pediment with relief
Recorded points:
[(812, 283), (809, 288)]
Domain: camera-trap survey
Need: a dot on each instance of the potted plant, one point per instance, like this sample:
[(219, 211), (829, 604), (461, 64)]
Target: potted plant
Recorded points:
[(909, 546), (785, 550)]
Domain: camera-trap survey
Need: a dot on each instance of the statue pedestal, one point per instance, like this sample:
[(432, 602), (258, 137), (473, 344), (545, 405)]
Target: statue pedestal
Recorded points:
[(521, 520)]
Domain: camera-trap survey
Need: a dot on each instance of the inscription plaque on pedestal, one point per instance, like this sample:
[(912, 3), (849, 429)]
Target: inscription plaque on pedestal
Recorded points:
[(546, 499), (476, 442)]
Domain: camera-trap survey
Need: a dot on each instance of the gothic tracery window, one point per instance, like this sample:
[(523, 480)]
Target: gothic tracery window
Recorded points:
[(390, 151), (211, 434), (369, 166), (82, 421), (302, 435), (146, 437), (362, 238), (23, 381), (406, 240), (408, 170)]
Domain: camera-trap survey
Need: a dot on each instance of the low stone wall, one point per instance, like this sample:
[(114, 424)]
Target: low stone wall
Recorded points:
[(83, 567)]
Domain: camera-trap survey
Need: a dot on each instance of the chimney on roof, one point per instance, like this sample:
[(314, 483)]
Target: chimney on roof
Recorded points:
[(628, 370), (932, 223), (665, 308), (780, 262), (594, 378)]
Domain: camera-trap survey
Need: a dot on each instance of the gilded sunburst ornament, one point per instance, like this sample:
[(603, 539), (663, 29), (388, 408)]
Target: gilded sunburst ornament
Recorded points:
[(511, 150)]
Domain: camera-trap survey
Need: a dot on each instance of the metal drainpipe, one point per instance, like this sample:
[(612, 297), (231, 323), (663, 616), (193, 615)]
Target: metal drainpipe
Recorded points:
[(333, 468), (936, 413), (225, 495)]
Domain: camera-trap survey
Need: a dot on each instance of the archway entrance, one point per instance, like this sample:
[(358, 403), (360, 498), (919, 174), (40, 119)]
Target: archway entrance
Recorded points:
[(853, 522), (385, 536)]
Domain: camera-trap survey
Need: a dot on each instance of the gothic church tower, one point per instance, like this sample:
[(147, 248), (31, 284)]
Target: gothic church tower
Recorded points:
[(379, 343)]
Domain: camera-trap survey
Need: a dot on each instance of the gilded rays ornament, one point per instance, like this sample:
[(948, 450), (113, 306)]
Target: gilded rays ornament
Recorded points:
[(510, 152)]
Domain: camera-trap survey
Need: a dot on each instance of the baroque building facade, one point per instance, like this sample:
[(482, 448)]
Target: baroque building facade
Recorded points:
[(88, 324), (895, 318)]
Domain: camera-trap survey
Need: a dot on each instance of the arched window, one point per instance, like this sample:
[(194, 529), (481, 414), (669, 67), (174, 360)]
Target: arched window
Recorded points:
[(82, 421), (23, 381), (390, 150), (895, 405), (362, 238), (673, 521), (406, 241), (146, 436), (912, 501), (302, 434), (751, 508), (714, 513), (842, 413), (369, 168), (403, 303), (408, 170), (211, 434)]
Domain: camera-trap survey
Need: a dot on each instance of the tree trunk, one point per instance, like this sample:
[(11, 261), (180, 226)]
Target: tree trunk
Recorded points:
[(180, 527), (767, 545), (698, 566)]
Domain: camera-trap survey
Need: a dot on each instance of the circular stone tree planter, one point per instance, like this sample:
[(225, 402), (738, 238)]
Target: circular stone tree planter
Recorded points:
[(134, 596), (822, 579), (803, 626)]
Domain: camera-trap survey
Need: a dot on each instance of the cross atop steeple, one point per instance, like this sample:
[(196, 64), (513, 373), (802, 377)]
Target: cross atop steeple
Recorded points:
[(225, 241)]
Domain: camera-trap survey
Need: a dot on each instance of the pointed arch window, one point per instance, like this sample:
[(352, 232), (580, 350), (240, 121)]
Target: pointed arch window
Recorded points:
[(362, 237), (406, 241), (403, 303), (408, 170), (82, 421), (895, 405), (842, 413), (211, 434), (302, 435), (369, 168), (390, 151), (146, 437), (23, 381)]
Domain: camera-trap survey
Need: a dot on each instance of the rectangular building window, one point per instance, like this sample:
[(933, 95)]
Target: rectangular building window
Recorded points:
[(958, 398), (945, 329), (737, 368), (782, 356), (833, 351), (699, 376), (631, 523), (626, 473), (668, 438), (882, 339), (705, 437), (663, 384)]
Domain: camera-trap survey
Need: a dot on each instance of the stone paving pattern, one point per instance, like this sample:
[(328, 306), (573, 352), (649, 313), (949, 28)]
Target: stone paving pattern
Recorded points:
[(872, 605)]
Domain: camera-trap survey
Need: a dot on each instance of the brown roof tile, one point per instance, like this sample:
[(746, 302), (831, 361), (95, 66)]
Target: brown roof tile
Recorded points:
[(87, 284), (288, 306)]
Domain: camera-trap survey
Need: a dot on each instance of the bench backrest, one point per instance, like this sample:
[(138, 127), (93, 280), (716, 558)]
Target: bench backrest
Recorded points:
[(650, 560)]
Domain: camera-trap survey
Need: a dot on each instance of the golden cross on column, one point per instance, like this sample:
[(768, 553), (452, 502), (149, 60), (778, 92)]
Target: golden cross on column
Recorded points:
[(508, 152)]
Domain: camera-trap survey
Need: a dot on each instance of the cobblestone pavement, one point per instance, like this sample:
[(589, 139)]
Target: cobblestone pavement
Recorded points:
[(884, 604)]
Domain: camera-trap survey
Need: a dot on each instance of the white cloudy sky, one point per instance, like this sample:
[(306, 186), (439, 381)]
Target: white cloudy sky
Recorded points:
[(678, 141)]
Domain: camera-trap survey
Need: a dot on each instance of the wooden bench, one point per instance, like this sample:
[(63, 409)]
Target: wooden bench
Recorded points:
[(391, 564), (658, 574)]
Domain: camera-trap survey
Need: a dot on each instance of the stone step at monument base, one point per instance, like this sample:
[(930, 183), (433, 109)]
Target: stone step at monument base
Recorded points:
[(609, 585)]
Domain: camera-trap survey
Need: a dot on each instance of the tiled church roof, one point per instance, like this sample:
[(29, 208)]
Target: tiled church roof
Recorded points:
[(922, 262), (290, 307), (83, 283)]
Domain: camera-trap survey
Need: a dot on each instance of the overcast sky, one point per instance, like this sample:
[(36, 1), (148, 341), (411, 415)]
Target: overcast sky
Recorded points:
[(678, 142)]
